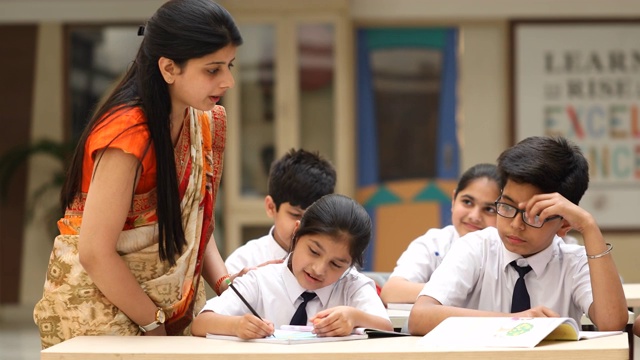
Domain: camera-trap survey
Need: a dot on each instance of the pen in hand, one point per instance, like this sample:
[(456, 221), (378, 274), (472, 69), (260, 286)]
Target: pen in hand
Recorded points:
[(230, 284), (253, 311)]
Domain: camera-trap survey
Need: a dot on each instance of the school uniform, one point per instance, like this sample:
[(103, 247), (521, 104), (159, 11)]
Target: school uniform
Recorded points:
[(254, 253), (274, 293), (424, 254), (476, 275)]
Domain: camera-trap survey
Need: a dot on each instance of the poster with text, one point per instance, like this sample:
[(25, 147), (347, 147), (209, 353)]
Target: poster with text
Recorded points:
[(581, 80)]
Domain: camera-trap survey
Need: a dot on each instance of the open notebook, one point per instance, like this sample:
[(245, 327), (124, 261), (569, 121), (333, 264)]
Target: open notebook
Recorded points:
[(304, 337), (292, 337), (506, 332)]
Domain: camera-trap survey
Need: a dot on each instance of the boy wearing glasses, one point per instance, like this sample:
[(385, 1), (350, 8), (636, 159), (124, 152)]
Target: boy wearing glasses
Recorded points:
[(543, 179)]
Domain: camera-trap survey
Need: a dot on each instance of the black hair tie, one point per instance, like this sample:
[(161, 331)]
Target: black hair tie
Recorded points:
[(141, 30)]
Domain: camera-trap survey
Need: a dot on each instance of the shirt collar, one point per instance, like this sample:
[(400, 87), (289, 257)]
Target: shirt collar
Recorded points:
[(538, 262), (273, 245)]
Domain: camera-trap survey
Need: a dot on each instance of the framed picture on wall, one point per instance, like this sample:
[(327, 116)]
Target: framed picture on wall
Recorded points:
[(581, 79)]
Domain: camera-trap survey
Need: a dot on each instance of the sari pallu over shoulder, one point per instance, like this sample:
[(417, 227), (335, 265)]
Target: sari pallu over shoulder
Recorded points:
[(72, 305)]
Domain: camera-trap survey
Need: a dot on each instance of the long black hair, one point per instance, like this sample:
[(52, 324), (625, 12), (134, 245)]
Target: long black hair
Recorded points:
[(180, 30)]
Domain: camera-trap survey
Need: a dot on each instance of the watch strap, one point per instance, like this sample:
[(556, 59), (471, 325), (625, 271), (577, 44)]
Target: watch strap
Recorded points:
[(159, 320), (154, 325)]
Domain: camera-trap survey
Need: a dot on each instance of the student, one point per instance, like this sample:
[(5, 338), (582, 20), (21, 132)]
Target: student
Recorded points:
[(473, 208), (296, 180), (139, 197), (542, 181), (329, 241)]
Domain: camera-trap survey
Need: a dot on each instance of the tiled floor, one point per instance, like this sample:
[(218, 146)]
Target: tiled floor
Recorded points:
[(19, 338)]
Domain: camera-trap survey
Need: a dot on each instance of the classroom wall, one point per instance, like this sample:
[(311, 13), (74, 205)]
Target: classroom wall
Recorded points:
[(483, 87), (46, 122)]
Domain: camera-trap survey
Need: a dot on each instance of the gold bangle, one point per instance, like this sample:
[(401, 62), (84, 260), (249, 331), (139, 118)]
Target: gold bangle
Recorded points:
[(609, 248)]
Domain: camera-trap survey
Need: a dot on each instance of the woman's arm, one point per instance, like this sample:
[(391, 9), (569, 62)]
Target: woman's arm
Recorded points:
[(213, 268), (106, 208)]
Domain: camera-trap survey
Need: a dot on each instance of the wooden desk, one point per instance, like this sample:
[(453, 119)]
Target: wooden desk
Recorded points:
[(195, 348), (632, 294)]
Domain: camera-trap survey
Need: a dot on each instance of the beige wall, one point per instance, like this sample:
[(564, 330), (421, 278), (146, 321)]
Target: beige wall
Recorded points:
[(47, 123), (483, 80)]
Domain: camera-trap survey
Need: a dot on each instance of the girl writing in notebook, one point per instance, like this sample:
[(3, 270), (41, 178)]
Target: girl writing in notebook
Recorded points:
[(473, 208), (317, 284)]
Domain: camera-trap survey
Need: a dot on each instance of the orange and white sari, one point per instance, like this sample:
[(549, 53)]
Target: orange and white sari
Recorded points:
[(72, 305)]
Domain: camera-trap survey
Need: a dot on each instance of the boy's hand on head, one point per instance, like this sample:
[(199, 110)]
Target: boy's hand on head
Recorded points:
[(336, 321), (547, 205), (251, 327), (538, 311)]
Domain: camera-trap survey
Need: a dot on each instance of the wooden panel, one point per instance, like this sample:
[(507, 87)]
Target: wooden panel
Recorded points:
[(398, 225), (17, 47)]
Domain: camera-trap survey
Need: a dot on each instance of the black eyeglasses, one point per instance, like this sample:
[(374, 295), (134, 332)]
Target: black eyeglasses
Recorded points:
[(508, 211)]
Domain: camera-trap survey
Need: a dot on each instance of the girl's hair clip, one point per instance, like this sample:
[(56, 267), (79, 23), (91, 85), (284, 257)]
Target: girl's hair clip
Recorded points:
[(141, 30)]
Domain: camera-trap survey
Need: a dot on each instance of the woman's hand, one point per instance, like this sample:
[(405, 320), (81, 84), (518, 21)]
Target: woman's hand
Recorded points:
[(247, 269)]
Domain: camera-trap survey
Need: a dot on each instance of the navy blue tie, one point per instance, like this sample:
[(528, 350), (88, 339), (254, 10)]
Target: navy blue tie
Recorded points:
[(300, 316), (520, 300)]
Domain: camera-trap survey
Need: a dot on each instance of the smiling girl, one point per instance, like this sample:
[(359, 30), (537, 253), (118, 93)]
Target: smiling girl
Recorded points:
[(473, 208), (136, 239), (328, 242)]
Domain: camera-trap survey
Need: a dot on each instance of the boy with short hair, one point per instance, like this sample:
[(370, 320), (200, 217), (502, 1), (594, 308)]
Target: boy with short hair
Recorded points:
[(296, 180), (543, 179)]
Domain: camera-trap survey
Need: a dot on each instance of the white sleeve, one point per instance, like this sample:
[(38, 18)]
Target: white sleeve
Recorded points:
[(458, 274), (418, 262), (582, 293), (247, 255), (236, 260), (362, 295)]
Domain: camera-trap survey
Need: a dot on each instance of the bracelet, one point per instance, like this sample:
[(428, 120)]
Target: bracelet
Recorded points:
[(216, 288), (609, 248)]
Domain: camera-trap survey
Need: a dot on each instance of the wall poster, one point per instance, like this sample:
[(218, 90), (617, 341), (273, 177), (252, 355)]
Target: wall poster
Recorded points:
[(581, 79)]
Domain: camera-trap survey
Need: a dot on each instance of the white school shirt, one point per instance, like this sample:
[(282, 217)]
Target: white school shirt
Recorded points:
[(274, 293), (254, 253), (424, 254), (476, 275)]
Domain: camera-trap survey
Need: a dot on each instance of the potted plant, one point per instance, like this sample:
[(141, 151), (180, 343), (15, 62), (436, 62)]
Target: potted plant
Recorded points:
[(19, 155)]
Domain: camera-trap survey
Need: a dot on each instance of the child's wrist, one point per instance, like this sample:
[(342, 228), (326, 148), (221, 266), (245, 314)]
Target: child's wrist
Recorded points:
[(602, 254)]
